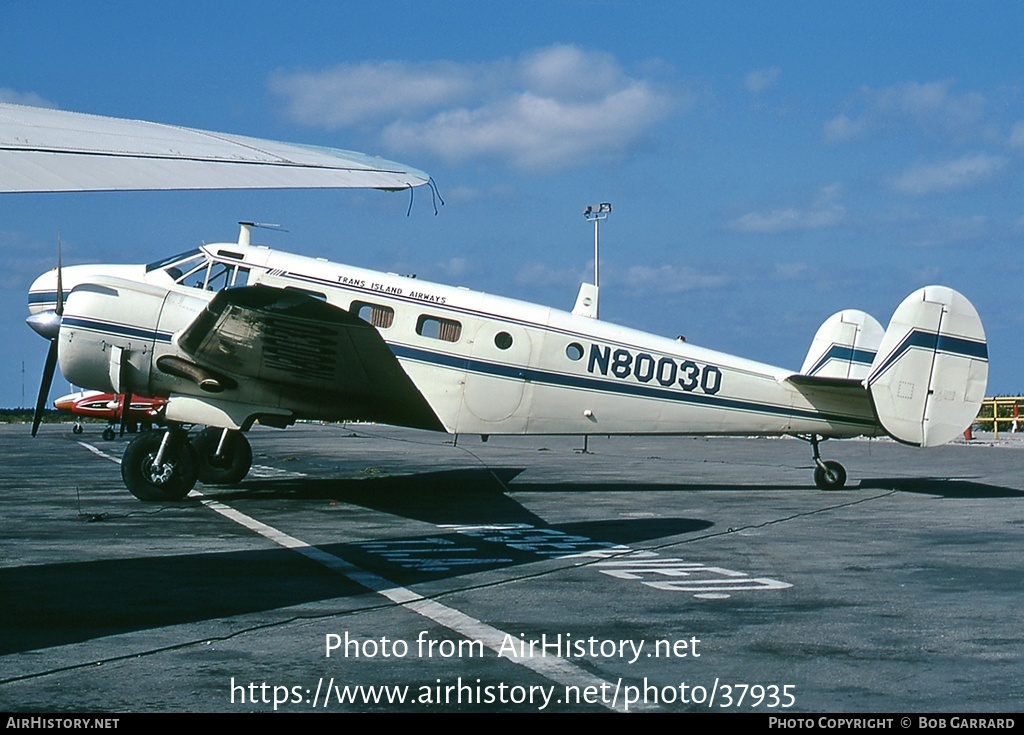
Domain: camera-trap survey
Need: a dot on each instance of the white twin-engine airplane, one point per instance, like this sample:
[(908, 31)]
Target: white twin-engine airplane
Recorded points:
[(233, 333)]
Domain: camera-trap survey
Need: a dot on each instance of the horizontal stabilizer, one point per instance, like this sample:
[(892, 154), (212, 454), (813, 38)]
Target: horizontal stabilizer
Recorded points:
[(844, 346), (929, 376)]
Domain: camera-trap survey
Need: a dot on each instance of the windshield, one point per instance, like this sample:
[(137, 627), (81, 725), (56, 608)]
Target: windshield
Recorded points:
[(196, 269), (188, 254)]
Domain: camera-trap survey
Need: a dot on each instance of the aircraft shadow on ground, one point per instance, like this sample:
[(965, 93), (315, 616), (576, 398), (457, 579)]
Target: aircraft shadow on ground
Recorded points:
[(483, 529), (942, 487)]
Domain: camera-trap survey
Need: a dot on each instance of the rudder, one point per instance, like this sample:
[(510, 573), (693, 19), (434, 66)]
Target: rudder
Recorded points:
[(929, 376)]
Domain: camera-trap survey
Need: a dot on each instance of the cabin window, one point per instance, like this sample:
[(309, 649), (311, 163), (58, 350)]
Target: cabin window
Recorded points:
[(503, 340), (574, 351), (434, 327), (376, 315)]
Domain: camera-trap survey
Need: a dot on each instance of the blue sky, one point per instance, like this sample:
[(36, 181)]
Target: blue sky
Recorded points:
[(768, 163)]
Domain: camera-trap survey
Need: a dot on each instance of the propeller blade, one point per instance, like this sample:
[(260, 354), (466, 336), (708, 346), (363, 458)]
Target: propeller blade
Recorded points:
[(60, 281), (44, 386)]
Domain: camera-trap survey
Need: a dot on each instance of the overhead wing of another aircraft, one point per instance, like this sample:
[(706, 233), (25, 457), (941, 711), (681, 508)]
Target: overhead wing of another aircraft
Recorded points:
[(45, 150)]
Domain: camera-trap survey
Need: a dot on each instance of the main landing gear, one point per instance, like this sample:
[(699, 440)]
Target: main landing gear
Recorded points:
[(224, 456), (165, 465), (828, 475)]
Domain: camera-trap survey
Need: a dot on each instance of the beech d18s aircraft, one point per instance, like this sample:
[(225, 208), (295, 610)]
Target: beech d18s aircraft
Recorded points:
[(233, 333)]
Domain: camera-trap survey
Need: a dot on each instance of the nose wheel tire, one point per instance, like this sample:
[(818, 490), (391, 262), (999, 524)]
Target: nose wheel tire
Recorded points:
[(227, 468), (831, 476), (172, 479)]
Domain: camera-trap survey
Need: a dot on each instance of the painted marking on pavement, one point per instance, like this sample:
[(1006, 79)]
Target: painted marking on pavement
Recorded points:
[(555, 669)]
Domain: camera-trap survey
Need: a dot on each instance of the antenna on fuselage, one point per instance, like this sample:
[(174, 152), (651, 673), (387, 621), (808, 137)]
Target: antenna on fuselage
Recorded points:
[(246, 228)]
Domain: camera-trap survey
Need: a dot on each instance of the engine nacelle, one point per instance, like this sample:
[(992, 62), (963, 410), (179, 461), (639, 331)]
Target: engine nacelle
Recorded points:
[(113, 329)]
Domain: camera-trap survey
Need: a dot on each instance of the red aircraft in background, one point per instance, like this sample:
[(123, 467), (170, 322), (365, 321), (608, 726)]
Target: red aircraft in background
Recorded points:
[(96, 404)]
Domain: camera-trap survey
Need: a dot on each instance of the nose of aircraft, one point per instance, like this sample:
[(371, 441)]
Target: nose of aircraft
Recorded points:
[(45, 323), (46, 302), (42, 294)]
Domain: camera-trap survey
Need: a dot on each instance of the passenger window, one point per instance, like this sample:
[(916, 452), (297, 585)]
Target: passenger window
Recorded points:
[(378, 316), (437, 328)]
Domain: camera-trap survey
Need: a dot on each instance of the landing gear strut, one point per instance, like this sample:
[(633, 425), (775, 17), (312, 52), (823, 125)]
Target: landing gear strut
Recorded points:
[(160, 465), (828, 475), (224, 456)]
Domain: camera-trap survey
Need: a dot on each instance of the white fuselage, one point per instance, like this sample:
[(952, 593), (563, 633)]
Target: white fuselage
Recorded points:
[(485, 364)]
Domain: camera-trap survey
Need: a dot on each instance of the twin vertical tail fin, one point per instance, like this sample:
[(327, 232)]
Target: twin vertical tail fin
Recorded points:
[(928, 378), (844, 346)]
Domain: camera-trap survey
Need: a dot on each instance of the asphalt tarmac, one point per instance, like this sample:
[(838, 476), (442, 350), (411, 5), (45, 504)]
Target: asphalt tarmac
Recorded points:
[(365, 568)]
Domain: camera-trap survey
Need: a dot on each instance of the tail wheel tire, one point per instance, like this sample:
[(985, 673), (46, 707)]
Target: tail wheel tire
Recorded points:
[(830, 477), (229, 468), (172, 480)]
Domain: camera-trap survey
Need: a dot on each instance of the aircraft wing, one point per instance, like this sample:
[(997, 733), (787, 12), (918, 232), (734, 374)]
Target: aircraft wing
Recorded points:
[(282, 342), (45, 150)]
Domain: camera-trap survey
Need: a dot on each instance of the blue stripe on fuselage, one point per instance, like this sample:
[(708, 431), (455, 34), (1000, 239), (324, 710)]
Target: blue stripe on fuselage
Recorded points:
[(616, 387), (116, 329)]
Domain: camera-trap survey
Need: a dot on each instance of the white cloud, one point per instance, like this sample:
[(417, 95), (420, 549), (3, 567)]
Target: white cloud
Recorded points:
[(762, 80), (531, 131), (1017, 136), (642, 279), (959, 173), (456, 267), (548, 109), (823, 213), (24, 98), (930, 106), (352, 94), (790, 271), (949, 231), (543, 275)]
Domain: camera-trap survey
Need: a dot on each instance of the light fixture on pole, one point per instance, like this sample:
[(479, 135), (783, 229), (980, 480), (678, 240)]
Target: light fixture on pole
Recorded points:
[(595, 213)]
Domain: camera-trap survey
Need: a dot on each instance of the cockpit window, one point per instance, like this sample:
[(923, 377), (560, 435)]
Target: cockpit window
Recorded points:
[(187, 255), (215, 276), (196, 269)]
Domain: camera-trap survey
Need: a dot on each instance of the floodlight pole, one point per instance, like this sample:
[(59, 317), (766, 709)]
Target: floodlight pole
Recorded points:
[(595, 213)]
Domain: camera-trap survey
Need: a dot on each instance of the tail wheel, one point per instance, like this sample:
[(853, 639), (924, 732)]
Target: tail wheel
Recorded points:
[(830, 475), (170, 479), (231, 465)]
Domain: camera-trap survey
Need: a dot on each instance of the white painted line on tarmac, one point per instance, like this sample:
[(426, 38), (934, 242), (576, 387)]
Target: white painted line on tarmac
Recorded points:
[(100, 453), (552, 668)]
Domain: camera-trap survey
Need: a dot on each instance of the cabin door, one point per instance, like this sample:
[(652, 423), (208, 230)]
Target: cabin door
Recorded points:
[(496, 374)]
